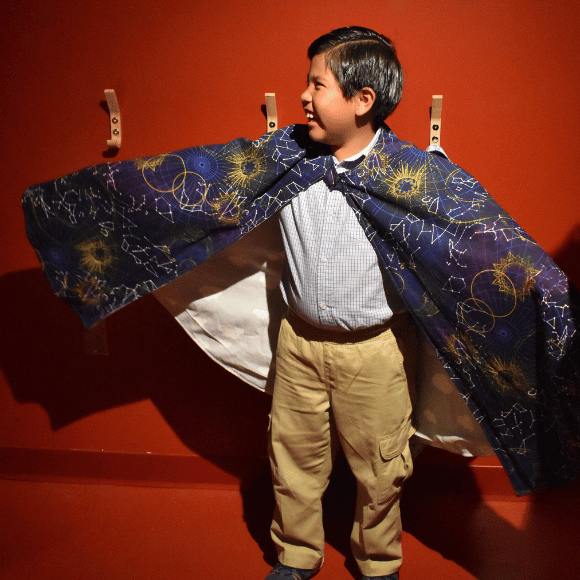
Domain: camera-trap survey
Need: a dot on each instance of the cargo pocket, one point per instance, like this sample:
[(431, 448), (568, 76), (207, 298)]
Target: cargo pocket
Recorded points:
[(396, 463)]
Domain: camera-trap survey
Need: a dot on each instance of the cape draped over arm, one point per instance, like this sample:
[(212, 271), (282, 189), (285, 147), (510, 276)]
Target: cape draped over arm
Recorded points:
[(498, 311)]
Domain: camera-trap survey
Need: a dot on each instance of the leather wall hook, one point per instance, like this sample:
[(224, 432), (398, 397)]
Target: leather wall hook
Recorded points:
[(115, 119), (271, 112)]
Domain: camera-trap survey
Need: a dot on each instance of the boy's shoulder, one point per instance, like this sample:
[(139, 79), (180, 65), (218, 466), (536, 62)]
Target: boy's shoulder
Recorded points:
[(390, 152), (389, 143)]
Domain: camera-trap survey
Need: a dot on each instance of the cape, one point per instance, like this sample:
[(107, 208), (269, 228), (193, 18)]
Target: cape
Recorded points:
[(500, 314)]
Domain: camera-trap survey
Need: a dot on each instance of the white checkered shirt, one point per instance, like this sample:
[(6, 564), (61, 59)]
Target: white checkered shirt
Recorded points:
[(332, 277)]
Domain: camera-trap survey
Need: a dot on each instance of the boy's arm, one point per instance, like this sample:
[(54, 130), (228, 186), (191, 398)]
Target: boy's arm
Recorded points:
[(111, 233)]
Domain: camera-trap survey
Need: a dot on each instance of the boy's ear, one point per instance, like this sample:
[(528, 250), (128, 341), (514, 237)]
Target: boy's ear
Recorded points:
[(365, 100)]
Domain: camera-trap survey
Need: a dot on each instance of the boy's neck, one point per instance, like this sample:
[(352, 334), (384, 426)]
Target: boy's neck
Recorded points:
[(356, 143)]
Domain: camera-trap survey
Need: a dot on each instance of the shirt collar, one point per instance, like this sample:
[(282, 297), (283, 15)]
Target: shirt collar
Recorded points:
[(354, 160)]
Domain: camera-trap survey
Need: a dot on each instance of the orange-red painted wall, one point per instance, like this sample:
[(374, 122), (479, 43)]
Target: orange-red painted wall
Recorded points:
[(189, 73)]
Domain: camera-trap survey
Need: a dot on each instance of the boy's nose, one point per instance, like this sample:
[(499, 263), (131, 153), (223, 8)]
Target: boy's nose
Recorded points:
[(306, 97)]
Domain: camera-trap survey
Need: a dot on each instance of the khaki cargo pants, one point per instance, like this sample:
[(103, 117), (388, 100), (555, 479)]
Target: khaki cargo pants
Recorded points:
[(347, 389)]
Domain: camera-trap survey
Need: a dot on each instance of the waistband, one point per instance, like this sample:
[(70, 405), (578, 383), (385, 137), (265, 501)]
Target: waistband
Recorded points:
[(305, 330)]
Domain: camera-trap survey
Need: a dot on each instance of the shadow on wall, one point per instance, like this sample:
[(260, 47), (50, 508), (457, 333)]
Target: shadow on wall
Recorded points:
[(43, 360), (442, 510), (567, 256), (534, 539)]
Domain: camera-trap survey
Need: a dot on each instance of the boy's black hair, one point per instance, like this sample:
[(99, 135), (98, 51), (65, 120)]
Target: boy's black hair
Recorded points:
[(359, 57)]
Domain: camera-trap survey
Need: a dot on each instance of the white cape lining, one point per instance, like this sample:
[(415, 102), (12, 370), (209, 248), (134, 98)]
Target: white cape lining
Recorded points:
[(231, 306)]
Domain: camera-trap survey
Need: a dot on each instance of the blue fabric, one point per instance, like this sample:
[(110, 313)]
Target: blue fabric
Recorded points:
[(499, 312)]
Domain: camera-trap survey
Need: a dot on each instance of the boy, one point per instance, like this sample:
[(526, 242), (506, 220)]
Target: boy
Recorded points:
[(340, 378)]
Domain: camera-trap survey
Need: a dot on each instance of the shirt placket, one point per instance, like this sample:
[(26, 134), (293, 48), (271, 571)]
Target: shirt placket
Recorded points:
[(325, 264)]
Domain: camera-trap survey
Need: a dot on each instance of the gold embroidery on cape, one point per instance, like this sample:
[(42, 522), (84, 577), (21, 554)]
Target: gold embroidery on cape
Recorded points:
[(248, 166), (406, 182), (152, 163), (506, 283), (228, 207), (506, 374), (89, 291), (96, 255)]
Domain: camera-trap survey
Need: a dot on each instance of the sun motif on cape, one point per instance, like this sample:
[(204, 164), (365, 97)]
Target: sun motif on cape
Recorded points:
[(507, 375), (95, 255), (515, 276), (248, 166), (406, 183)]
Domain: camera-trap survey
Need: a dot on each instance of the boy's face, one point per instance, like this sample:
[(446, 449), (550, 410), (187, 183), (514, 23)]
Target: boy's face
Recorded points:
[(331, 117)]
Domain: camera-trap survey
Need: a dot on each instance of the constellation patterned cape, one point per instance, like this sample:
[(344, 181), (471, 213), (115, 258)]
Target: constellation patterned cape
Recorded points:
[(500, 314)]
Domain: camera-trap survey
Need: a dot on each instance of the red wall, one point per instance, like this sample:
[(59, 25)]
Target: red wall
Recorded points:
[(189, 73)]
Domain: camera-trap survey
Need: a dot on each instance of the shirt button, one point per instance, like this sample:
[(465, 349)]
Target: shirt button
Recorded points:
[(323, 306), (324, 260)]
